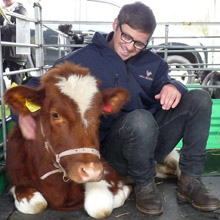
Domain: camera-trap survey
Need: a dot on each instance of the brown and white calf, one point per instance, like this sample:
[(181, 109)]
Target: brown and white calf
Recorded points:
[(170, 166), (62, 167)]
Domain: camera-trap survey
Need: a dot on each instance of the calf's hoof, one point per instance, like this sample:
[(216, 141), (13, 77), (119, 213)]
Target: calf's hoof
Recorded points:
[(28, 200), (98, 199)]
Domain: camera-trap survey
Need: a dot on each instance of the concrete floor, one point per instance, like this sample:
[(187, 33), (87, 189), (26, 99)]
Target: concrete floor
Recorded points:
[(172, 210)]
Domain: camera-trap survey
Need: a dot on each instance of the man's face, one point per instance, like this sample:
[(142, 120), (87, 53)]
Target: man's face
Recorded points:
[(127, 49), (8, 3)]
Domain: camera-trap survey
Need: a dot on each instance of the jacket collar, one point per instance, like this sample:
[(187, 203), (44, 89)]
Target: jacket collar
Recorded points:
[(106, 50), (100, 41)]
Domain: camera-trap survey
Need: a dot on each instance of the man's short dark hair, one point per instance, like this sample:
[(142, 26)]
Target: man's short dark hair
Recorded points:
[(138, 16)]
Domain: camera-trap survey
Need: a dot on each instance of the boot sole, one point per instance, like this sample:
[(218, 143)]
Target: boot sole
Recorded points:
[(149, 212), (181, 199)]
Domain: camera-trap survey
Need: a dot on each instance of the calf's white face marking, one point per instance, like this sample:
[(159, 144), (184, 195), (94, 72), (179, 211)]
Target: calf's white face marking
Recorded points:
[(81, 89)]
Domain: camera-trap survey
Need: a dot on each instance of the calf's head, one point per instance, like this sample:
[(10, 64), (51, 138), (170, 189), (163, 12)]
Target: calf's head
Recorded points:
[(67, 107)]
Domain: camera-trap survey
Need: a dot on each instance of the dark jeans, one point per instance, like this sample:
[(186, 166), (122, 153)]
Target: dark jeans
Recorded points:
[(138, 140)]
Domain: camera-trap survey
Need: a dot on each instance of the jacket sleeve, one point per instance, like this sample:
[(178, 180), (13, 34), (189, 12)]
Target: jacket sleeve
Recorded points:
[(162, 78), (9, 29)]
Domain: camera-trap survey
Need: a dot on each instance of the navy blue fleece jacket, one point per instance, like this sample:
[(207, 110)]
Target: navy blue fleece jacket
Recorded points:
[(143, 75)]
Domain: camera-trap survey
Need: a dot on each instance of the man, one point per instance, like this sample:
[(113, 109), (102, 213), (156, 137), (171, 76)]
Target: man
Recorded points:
[(160, 112), (11, 60)]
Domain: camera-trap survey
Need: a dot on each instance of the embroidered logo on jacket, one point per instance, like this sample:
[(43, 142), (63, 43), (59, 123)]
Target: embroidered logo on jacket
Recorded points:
[(148, 75)]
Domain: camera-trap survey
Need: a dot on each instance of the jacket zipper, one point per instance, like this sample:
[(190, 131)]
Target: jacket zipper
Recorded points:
[(116, 79), (131, 79)]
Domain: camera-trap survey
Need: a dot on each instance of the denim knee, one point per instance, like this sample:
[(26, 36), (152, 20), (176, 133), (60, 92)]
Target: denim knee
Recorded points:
[(141, 123), (200, 98), (130, 145)]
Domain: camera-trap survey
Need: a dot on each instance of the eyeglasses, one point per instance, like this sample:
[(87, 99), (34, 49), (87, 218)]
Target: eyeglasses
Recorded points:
[(128, 39)]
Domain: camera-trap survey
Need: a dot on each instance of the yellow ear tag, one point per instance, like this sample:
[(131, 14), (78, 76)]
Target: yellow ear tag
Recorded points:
[(31, 106), (13, 85)]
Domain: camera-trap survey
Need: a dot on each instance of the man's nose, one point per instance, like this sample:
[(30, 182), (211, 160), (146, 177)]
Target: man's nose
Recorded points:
[(130, 46)]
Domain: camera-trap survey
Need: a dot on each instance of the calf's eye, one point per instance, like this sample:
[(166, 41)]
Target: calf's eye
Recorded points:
[(56, 115)]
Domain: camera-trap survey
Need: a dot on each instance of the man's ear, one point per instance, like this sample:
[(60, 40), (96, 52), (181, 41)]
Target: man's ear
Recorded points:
[(23, 99), (114, 99), (115, 24)]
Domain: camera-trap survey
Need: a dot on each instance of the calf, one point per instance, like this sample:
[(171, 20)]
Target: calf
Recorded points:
[(62, 167), (170, 166)]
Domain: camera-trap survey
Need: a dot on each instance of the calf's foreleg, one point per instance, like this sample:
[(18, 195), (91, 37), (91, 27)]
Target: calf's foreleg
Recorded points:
[(27, 200)]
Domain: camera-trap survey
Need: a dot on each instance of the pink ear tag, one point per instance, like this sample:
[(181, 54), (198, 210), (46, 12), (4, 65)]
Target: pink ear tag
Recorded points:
[(108, 107)]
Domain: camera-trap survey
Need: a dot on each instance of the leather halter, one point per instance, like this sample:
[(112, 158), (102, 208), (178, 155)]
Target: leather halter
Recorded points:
[(57, 164)]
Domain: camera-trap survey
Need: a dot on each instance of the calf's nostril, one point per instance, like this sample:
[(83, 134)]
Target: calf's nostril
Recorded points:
[(83, 171)]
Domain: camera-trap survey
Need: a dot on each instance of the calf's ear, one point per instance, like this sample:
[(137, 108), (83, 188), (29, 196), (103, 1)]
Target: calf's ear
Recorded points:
[(23, 99), (114, 99)]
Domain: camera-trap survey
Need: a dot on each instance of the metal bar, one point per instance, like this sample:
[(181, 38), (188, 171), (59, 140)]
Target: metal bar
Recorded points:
[(166, 41), (3, 117), (207, 68), (184, 51), (6, 43), (110, 23), (55, 30), (188, 23), (203, 87), (22, 17), (183, 47), (59, 49), (47, 66), (8, 118), (185, 37), (64, 45), (188, 75), (199, 64), (20, 71), (77, 22), (39, 38)]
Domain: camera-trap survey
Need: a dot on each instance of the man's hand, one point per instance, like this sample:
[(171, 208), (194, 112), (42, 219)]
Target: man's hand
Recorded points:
[(27, 125), (169, 96)]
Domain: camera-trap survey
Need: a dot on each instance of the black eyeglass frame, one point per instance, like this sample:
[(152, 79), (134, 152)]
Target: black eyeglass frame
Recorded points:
[(131, 39)]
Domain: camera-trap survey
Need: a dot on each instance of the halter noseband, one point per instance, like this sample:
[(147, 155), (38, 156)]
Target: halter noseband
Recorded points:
[(57, 164)]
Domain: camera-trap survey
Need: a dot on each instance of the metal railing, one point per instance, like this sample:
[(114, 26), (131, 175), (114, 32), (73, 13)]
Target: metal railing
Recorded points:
[(38, 44), (39, 67)]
